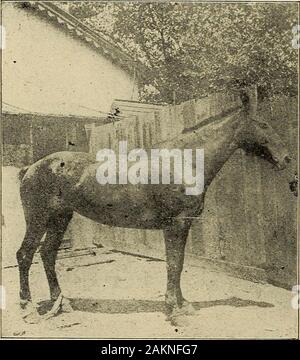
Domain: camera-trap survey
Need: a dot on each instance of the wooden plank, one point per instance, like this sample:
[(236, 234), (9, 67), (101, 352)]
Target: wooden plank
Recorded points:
[(189, 113), (157, 120)]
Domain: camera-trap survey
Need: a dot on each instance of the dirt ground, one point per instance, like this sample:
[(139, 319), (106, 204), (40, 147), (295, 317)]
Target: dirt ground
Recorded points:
[(114, 295), (121, 296)]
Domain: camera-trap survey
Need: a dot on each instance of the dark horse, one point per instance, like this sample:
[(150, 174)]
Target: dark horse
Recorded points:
[(61, 183)]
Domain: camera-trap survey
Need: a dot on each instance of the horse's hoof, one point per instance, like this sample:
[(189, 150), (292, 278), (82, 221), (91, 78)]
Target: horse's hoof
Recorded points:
[(24, 304), (32, 318), (61, 304), (29, 313), (179, 321), (66, 305), (185, 309), (56, 307), (188, 308)]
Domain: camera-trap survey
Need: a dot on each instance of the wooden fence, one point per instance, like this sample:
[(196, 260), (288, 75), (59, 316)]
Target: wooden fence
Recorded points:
[(29, 137), (248, 226), (145, 129)]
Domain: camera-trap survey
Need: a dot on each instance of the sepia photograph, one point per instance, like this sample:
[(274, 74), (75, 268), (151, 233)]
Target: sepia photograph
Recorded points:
[(149, 170)]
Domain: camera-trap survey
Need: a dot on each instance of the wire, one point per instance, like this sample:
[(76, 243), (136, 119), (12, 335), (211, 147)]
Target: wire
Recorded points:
[(19, 108)]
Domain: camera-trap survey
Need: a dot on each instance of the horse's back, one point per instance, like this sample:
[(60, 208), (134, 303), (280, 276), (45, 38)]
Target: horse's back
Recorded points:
[(55, 161), (54, 174)]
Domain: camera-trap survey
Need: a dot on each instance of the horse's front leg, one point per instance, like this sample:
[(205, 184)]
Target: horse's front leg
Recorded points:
[(175, 239)]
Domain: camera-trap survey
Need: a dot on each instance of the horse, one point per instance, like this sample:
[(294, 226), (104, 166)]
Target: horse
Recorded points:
[(56, 186)]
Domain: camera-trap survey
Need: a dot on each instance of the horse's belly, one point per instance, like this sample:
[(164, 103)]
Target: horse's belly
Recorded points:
[(122, 207), (146, 219)]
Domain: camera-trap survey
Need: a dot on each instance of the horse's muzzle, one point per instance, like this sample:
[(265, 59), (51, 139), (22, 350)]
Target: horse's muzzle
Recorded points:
[(282, 164)]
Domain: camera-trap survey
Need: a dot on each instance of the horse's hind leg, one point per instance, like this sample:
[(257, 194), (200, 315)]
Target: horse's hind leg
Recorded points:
[(56, 228), (35, 230)]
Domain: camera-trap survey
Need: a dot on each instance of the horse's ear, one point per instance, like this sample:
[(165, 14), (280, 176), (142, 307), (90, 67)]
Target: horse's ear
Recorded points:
[(249, 100), (245, 100)]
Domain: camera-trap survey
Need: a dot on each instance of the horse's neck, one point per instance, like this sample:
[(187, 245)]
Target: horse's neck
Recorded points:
[(219, 141), (220, 147)]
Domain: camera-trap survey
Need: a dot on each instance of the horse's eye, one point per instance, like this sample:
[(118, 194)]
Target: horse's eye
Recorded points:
[(263, 125)]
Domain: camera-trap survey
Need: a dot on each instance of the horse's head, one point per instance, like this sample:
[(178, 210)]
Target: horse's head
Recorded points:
[(260, 139)]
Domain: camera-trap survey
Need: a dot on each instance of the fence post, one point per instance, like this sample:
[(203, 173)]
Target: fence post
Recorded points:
[(254, 102)]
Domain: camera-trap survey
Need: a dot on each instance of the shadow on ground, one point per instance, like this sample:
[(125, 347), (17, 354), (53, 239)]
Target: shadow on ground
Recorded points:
[(124, 306)]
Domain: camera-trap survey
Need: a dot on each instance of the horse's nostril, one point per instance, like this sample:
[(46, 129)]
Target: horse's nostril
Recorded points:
[(287, 159)]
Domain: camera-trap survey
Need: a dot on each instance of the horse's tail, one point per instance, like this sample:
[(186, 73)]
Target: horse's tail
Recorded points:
[(22, 172)]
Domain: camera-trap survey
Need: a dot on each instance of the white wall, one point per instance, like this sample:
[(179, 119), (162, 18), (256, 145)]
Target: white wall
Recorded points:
[(45, 70)]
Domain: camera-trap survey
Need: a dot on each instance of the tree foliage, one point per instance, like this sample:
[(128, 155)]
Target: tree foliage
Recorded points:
[(192, 49)]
